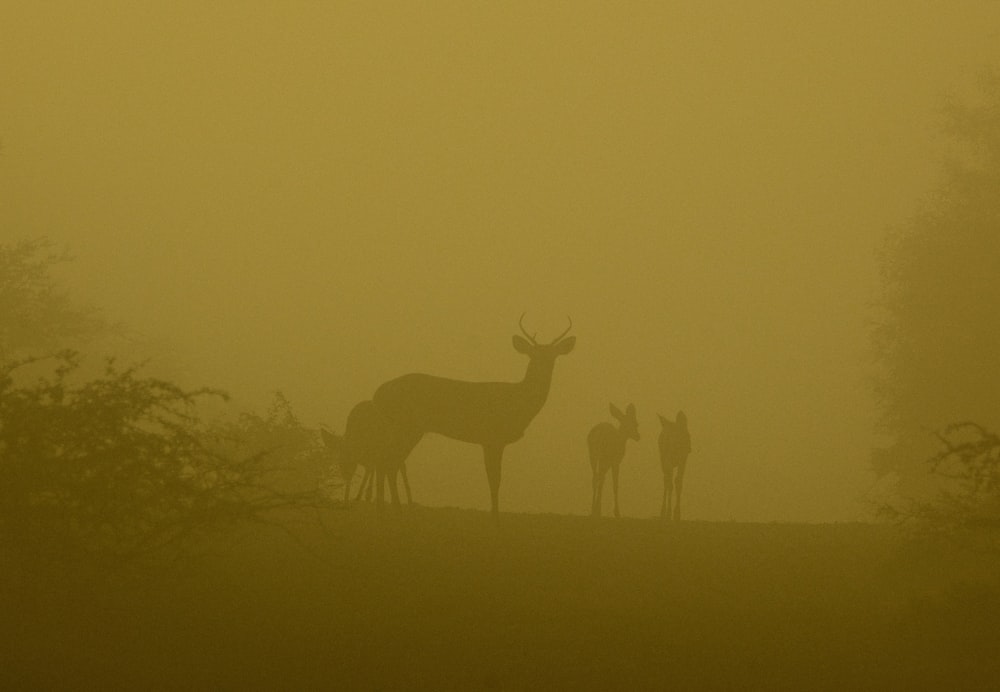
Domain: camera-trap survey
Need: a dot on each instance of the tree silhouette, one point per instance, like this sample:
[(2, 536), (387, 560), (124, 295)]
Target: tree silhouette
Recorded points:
[(936, 343), (35, 315), (121, 466)]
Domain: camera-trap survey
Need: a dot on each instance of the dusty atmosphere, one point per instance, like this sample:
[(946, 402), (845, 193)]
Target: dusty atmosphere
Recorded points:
[(670, 216), (317, 198)]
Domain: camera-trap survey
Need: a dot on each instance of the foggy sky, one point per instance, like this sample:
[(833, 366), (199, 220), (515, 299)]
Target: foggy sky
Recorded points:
[(318, 197)]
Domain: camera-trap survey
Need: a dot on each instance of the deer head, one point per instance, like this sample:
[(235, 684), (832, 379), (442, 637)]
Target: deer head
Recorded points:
[(628, 425), (544, 354), (666, 422)]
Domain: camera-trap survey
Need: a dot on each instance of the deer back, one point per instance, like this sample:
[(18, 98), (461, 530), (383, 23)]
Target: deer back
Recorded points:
[(605, 444), (478, 412)]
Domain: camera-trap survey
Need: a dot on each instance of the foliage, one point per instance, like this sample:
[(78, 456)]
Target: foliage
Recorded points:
[(35, 315), (967, 468), (292, 456), (119, 466), (936, 341)]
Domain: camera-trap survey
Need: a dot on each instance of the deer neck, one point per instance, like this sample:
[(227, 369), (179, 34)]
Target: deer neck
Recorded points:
[(538, 378)]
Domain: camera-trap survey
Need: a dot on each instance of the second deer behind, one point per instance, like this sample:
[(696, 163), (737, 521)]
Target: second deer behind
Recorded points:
[(369, 441)]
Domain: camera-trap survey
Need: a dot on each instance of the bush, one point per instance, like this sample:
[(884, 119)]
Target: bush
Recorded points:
[(967, 471), (119, 466)]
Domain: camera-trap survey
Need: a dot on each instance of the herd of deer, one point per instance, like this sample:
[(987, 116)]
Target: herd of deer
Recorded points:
[(380, 433)]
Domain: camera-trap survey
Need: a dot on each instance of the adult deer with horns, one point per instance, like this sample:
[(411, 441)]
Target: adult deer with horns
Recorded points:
[(490, 414)]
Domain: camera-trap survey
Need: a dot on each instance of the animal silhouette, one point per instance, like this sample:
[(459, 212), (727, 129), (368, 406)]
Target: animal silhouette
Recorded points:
[(368, 483), (490, 414), (675, 445), (368, 441), (606, 444)]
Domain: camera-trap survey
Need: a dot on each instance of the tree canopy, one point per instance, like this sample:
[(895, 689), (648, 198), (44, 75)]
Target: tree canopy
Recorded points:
[(120, 465), (937, 342), (35, 315)]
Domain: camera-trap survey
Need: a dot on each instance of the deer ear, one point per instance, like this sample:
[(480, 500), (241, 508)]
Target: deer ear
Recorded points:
[(565, 346), (663, 421), (616, 412), (521, 345)]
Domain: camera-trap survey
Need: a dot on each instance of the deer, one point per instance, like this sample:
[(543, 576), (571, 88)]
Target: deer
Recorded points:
[(606, 444), (368, 440), (490, 414), (368, 483), (675, 445)]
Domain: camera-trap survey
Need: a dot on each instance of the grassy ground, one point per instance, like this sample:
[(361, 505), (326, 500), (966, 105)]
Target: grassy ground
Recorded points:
[(442, 599)]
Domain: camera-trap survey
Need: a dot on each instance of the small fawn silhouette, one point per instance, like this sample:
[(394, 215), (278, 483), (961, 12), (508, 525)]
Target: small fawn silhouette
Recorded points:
[(607, 448), (675, 445)]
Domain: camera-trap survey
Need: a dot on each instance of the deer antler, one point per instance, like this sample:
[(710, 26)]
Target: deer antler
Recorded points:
[(565, 332), (520, 323)]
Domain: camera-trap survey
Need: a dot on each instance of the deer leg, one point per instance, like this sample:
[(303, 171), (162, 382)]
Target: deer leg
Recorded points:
[(393, 478), (361, 485), (401, 446), (614, 480), (679, 483), (406, 483), (366, 484), (668, 492), (600, 487), (492, 456), (371, 485), (347, 489), (380, 488), (361, 488), (595, 495)]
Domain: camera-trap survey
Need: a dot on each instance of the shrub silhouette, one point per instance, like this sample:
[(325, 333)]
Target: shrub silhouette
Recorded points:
[(119, 466), (967, 471)]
